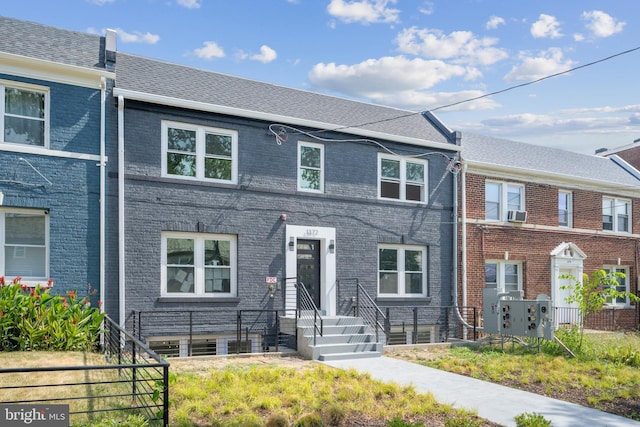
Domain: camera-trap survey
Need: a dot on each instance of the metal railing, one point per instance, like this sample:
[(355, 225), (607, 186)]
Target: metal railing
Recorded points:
[(134, 380), (306, 310), (428, 324), (607, 319), (246, 331), (368, 310)]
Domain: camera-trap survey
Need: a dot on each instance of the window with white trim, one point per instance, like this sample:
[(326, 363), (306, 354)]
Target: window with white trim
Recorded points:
[(401, 178), (24, 114), (616, 215), (199, 152), (505, 275), (502, 197), (310, 167), (565, 217), (25, 245), (203, 265), (623, 284), (402, 271)]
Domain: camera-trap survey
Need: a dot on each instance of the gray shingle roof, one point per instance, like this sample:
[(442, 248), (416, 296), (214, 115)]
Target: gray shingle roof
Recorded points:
[(543, 160), (150, 76), (51, 44)]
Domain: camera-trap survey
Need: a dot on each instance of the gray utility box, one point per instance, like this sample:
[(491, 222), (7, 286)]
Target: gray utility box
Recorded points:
[(506, 314)]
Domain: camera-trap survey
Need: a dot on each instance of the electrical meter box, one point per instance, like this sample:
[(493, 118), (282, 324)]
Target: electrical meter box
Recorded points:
[(515, 316)]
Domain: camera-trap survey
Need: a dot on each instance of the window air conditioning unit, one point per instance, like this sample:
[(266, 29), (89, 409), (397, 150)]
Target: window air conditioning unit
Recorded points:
[(517, 216)]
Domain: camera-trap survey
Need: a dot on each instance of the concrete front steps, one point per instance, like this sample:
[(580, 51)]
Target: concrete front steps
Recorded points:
[(343, 337)]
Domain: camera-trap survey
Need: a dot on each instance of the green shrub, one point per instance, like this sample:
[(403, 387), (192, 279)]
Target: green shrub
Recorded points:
[(531, 420), (462, 421), (309, 420), (34, 319), (277, 420), (399, 422)]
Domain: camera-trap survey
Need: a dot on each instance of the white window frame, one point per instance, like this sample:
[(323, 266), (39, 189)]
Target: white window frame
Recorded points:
[(613, 206), (503, 199), (609, 269), (301, 168), (199, 267), (501, 272), (566, 210), (7, 84), (28, 280), (401, 271), (200, 153), (402, 180)]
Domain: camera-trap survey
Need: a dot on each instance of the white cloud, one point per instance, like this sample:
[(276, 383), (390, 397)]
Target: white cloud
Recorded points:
[(266, 55), (137, 37), (494, 22), (396, 81), (100, 2), (548, 62), (427, 9), (209, 50), (460, 45), (601, 24), (363, 11), (546, 26), (189, 4)]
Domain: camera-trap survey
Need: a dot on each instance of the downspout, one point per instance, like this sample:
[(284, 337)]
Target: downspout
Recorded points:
[(121, 276), (103, 161)]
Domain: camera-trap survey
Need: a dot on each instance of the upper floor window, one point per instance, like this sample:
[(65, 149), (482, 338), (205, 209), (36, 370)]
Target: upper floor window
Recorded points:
[(24, 114), (401, 178), (616, 215), (199, 265), (310, 167), (505, 275), (500, 198), (564, 208), (623, 284), (198, 152), (402, 270), (24, 243)]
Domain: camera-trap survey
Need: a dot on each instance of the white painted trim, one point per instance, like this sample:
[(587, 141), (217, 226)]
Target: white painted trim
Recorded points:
[(28, 149), (327, 264), (270, 117), (42, 69), (299, 169)]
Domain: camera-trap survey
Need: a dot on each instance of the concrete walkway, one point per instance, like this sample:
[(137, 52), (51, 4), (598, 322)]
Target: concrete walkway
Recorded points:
[(493, 402)]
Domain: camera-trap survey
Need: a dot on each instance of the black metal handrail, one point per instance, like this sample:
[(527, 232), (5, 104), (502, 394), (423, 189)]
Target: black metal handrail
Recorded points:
[(368, 310), (304, 304), (134, 379)]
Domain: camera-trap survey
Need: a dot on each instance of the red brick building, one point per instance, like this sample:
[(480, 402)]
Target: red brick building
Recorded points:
[(531, 214)]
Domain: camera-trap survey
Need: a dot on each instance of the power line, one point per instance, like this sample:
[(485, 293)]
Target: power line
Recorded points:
[(486, 95)]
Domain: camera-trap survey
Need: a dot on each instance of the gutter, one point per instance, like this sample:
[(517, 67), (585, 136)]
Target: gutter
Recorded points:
[(121, 276), (102, 165)]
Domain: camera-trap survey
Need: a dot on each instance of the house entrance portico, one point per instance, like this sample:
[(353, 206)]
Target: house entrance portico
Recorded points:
[(566, 260), (310, 255)]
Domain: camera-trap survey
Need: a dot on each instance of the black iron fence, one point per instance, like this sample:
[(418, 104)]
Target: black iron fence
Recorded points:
[(429, 324), (187, 333), (125, 378), (607, 319)]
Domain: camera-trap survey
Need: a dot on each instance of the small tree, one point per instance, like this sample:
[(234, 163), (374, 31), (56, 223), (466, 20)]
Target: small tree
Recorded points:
[(592, 292)]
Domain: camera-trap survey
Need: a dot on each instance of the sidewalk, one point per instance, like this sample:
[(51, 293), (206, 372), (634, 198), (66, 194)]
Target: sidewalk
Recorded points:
[(493, 402)]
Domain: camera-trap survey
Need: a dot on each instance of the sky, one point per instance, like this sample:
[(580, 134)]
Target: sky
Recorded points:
[(566, 72)]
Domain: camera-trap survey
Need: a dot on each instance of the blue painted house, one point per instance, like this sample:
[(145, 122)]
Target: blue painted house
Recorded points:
[(231, 191), (54, 89)]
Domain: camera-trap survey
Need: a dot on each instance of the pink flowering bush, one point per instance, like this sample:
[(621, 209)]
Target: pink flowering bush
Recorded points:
[(31, 318)]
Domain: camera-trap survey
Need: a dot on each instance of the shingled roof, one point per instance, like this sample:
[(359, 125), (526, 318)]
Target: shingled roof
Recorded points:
[(163, 79), (42, 42), (523, 158)]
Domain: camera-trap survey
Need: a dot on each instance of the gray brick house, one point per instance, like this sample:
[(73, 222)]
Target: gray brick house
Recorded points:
[(229, 189)]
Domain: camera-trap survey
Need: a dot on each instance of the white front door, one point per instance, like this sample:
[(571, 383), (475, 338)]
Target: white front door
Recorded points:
[(566, 313)]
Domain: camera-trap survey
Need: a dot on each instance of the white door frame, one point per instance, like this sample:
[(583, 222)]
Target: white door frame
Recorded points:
[(565, 256), (327, 238)]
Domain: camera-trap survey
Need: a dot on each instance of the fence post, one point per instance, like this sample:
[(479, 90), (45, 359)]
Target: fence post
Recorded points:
[(415, 326), (277, 330), (165, 379), (387, 325), (190, 333), (239, 331), (134, 372)]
